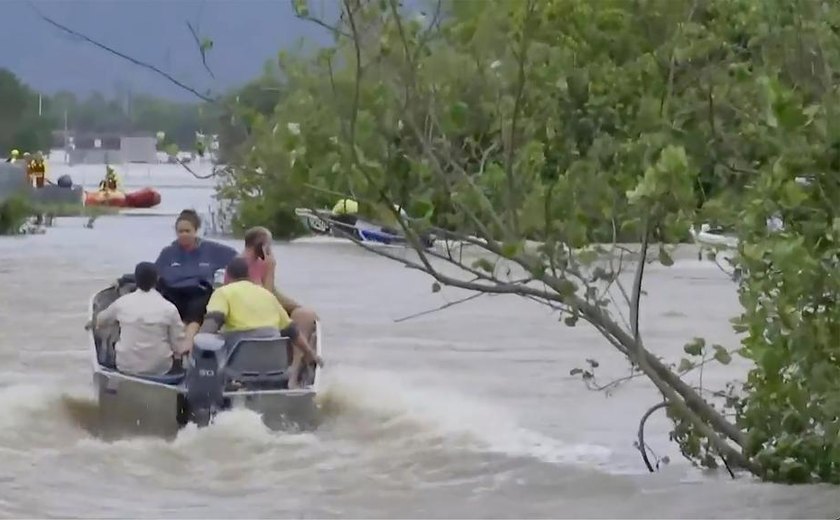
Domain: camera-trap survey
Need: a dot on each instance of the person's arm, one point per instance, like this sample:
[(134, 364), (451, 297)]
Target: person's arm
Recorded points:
[(219, 255), (217, 312), (270, 268), (108, 315), (289, 304), (268, 282), (163, 260)]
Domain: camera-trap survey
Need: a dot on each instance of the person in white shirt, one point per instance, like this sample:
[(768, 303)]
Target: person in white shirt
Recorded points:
[(151, 330)]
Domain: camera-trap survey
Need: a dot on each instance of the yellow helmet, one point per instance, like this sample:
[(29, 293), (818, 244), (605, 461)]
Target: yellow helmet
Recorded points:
[(346, 207), (15, 153)]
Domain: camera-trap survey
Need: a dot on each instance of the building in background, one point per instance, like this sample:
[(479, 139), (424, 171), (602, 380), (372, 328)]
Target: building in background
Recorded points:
[(112, 149), (139, 148)]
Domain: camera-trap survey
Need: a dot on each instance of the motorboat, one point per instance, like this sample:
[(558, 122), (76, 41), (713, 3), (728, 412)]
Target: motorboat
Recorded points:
[(708, 236), (324, 222), (142, 198), (219, 375)]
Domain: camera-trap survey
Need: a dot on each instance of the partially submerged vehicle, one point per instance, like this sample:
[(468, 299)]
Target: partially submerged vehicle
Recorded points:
[(250, 373), (324, 222), (14, 181)]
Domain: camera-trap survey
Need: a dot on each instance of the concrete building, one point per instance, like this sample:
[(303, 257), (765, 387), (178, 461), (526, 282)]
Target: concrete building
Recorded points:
[(139, 149), (112, 149)]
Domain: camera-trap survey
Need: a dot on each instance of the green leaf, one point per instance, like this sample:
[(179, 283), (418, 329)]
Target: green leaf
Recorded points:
[(512, 249), (721, 355), (566, 288), (695, 347), (301, 7), (685, 365), (458, 112), (484, 265)]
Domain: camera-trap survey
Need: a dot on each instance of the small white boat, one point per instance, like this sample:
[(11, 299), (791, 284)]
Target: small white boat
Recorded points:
[(708, 237), (250, 373), (324, 223)]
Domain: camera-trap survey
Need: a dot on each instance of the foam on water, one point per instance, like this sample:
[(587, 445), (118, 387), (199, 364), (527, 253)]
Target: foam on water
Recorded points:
[(396, 411), (451, 413)]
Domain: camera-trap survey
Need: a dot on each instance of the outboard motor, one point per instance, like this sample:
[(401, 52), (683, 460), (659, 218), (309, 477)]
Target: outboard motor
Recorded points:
[(65, 181), (205, 378)]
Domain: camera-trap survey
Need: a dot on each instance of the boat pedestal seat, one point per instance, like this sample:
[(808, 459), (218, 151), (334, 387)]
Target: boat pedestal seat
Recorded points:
[(257, 362)]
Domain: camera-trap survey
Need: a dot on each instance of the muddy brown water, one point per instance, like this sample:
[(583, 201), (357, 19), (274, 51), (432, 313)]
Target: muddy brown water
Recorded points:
[(469, 412)]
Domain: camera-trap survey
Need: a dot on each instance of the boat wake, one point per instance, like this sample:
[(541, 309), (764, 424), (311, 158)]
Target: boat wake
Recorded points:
[(454, 419), (369, 417), (366, 414)]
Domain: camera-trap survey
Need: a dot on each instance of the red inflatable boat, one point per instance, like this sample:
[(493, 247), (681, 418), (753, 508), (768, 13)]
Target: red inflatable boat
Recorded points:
[(144, 198)]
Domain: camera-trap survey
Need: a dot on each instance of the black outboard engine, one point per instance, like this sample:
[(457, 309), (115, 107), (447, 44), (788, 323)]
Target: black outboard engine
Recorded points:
[(65, 181), (205, 379)]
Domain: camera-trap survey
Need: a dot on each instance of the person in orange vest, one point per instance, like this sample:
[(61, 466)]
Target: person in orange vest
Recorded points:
[(110, 182), (37, 170)]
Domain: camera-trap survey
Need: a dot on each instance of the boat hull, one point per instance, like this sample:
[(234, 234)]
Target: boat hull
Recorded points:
[(323, 223), (131, 408), (144, 198), (128, 407)]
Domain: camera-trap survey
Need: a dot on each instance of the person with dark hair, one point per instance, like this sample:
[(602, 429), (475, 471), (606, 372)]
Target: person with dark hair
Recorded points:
[(150, 327), (261, 270), (246, 309), (187, 268)]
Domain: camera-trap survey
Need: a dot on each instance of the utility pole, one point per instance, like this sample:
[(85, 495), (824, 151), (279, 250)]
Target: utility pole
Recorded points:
[(66, 146)]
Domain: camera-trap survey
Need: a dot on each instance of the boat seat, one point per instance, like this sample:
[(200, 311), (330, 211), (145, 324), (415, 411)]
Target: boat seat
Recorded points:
[(260, 361)]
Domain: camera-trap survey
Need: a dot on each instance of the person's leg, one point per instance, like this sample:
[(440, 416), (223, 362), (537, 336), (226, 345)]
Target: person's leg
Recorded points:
[(295, 338), (304, 319), (195, 308)]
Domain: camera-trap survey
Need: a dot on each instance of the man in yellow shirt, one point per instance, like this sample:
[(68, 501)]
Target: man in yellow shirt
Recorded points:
[(247, 309)]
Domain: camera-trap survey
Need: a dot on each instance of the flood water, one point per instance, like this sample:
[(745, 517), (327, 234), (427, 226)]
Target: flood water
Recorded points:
[(468, 412)]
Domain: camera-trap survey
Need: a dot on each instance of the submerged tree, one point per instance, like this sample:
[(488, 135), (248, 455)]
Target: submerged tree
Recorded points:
[(543, 133)]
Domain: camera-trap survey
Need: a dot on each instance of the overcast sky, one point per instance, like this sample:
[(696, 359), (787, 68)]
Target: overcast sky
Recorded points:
[(246, 33)]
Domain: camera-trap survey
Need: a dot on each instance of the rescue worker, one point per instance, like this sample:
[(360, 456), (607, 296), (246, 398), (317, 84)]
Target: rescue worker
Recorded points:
[(13, 156), (36, 169), (346, 211), (110, 182)]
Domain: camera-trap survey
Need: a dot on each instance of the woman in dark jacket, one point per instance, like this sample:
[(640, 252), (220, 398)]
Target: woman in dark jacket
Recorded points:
[(187, 268)]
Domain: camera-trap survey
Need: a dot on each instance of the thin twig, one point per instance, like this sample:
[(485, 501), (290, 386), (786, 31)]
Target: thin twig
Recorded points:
[(440, 308), (201, 49), (124, 56), (641, 433)]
